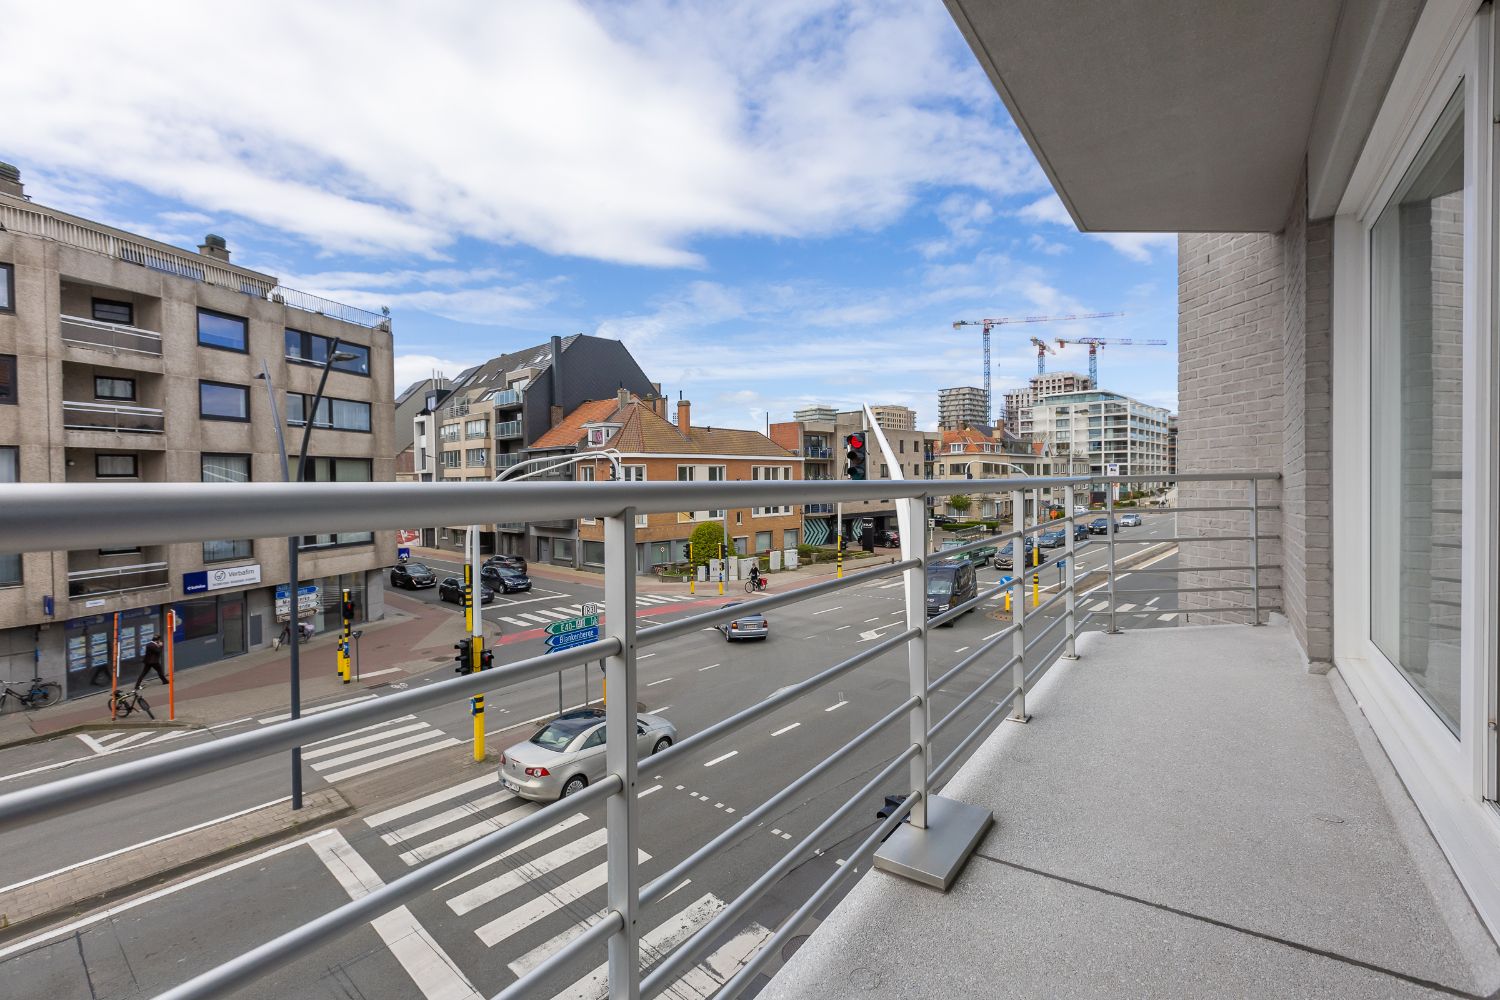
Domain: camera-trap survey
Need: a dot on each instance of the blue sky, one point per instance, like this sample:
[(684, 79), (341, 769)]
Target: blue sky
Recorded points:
[(772, 203)]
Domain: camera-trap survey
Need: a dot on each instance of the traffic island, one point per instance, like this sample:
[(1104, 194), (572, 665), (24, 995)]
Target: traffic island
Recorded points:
[(69, 892)]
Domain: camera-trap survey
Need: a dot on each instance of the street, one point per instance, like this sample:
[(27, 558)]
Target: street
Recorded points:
[(417, 794)]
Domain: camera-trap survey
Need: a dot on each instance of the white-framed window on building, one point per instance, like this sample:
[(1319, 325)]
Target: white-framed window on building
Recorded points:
[(476, 428), (449, 432), (474, 457), (777, 473), (452, 459), (703, 474), (636, 474)]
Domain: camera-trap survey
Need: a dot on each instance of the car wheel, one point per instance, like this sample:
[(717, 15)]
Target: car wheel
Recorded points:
[(575, 784), (662, 744)]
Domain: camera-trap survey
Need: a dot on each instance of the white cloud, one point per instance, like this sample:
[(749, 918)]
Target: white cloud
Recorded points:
[(1139, 247), (617, 132), (470, 295), (1047, 209)]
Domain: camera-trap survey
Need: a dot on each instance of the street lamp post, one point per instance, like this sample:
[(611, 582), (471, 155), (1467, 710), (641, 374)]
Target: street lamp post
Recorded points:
[(294, 623)]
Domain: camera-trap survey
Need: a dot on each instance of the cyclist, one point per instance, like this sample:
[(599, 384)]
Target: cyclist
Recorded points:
[(756, 580)]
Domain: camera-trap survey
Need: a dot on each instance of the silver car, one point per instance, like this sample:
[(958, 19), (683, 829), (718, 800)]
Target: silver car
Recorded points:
[(568, 753), (749, 626)]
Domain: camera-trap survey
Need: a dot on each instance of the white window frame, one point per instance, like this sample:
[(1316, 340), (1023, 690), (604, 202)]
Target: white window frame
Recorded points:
[(1449, 778)]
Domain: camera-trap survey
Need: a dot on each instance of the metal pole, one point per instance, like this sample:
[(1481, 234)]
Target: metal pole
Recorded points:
[(1254, 553), (1070, 603), (620, 818), (474, 607), (1018, 606), (170, 642), (1109, 516), (914, 546)]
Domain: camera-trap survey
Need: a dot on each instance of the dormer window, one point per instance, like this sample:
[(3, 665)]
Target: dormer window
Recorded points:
[(599, 434)]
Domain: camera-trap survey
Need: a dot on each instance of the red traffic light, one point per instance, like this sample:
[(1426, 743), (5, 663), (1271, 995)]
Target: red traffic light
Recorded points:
[(856, 440)]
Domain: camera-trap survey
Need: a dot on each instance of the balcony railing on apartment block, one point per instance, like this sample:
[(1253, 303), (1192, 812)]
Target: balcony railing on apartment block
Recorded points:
[(117, 579), (20, 218), (118, 417), (504, 398), (47, 517), (505, 429), (116, 338)]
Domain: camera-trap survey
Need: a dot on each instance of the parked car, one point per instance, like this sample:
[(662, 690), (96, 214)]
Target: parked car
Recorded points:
[(751, 626), (452, 591), (504, 579), (1052, 539), (568, 753), (1080, 531), (1006, 557), (948, 584), (889, 539), (1079, 508), (982, 556), (1130, 520), (1100, 526), (413, 576), (510, 562), (942, 519)]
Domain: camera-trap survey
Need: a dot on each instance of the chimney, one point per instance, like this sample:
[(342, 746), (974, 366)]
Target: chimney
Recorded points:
[(659, 404), (683, 408), (10, 180), (623, 397), (555, 372), (554, 416), (215, 247)]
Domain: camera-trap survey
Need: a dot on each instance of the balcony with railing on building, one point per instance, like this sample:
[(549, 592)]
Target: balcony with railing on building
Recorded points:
[(504, 399), (97, 319), (507, 430), (116, 569), (103, 405)]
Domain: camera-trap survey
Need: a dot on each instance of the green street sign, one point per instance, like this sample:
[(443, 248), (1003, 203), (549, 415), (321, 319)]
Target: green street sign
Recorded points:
[(572, 624)]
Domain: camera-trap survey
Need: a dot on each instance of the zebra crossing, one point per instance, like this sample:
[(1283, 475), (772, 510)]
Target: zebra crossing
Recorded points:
[(538, 895), (360, 751), (108, 743), (542, 617)]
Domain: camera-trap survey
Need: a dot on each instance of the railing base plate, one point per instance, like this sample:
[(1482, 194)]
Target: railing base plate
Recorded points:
[(936, 855)]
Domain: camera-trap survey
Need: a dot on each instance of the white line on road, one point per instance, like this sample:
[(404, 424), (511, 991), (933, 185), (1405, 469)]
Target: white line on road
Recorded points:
[(94, 918), (834, 708), (658, 711), (364, 753), (468, 834), (960, 649), (709, 667), (1166, 618), (826, 610), (422, 957), (417, 805), (382, 673), (526, 871), (722, 759), (535, 619), (526, 844), (841, 628), (91, 743), (311, 754), (399, 758), (869, 620), (645, 656), (556, 898), (321, 708), (786, 729), (447, 816), (653, 684), (647, 791)]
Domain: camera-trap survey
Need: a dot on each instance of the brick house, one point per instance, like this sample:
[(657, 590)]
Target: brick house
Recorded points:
[(652, 448)]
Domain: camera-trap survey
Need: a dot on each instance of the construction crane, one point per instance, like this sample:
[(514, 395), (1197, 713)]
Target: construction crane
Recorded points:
[(1042, 350), (1095, 343), (988, 324)]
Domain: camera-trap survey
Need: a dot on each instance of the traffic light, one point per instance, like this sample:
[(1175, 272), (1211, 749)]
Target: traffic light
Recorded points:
[(465, 656), (348, 608), (854, 455), (486, 659)]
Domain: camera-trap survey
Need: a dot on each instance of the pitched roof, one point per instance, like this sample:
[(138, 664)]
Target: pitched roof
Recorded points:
[(570, 432), (646, 432)]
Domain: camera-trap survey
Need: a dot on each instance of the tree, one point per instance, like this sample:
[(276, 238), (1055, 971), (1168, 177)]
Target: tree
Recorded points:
[(705, 541), (960, 502)]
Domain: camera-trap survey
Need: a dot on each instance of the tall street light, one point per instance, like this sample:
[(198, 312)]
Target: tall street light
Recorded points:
[(294, 618)]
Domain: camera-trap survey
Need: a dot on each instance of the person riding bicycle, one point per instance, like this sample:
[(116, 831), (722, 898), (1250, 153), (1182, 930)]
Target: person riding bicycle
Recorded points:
[(755, 577)]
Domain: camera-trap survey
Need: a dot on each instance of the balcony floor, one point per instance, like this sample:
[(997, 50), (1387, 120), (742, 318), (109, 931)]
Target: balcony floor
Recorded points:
[(1188, 814)]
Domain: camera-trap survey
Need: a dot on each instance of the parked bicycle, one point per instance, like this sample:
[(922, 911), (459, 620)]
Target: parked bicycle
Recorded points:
[(38, 694), (122, 703)]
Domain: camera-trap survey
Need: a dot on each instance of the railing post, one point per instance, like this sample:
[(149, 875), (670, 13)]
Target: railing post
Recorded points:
[(1109, 517), (1018, 605), (1254, 552), (1070, 603), (620, 819), (914, 546)]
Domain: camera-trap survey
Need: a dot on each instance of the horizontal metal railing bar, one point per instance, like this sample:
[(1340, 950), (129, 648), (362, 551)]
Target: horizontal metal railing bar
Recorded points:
[(1197, 569), (1122, 540), (664, 883), (789, 928), (1177, 590), (706, 737), (1045, 662), (693, 623), (1045, 605), (954, 551), (1182, 510), (692, 949), (113, 783), (970, 698), (1217, 609), (600, 931), (255, 963), (936, 774), (972, 658), (1032, 640), (967, 606), (51, 516)]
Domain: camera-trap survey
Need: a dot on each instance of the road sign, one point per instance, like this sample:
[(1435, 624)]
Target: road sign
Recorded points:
[(573, 624), (567, 640), (592, 608)]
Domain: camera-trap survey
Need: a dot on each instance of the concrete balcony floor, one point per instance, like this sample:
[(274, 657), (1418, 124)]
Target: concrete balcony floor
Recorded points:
[(1188, 814)]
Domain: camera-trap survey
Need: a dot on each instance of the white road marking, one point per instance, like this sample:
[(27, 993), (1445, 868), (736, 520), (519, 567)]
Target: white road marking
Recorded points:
[(1127, 607), (526, 844), (659, 711), (834, 708), (536, 619), (410, 944), (664, 680), (658, 941), (417, 805), (94, 918), (399, 758), (509, 923), (442, 819), (960, 649), (645, 656), (721, 759), (827, 610), (92, 743), (709, 667), (647, 791), (364, 753), (1166, 618), (518, 623), (533, 868), (869, 620), (840, 628), (468, 834), (786, 729), (382, 673), (311, 754), (321, 708)]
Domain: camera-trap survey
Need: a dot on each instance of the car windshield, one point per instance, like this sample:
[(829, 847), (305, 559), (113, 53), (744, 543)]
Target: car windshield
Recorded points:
[(940, 586), (510, 572), (418, 568), (557, 734)]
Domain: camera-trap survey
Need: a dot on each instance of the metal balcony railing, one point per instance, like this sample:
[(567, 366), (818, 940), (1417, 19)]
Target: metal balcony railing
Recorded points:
[(505, 397), (116, 338), (119, 417), (117, 579), (46, 517), (507, 429)]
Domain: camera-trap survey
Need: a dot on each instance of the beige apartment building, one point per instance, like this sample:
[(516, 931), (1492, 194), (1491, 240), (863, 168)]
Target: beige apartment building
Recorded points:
[(963, 406), (890, 417), (1018, 402), (123, 359)]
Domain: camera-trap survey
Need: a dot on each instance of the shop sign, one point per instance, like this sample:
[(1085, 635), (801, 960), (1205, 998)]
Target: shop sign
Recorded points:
[(220, 579)]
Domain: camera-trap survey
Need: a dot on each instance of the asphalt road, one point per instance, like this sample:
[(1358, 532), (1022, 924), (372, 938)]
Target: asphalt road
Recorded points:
[(419, 794)]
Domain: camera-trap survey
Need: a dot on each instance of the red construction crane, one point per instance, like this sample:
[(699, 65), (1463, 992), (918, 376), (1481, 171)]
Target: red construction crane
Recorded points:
[(1042, 350), (1094, 343), (988, 324)]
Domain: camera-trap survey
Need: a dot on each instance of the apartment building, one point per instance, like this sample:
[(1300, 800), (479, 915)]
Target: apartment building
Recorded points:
[(890, 417), (412, 401), (1018, 402), (1118, 435), (123, 359), (963, 406), (636, 432), (489, 417)]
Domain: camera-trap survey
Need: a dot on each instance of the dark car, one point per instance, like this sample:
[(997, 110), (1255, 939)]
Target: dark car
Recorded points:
[(940, 519), (413, 576), (508, 562), (1052, 539), (1006, 556), (452, 591), (751, 626), (1100, 526), (504, 579), (1080, 532), (950, 583), (889, 539)]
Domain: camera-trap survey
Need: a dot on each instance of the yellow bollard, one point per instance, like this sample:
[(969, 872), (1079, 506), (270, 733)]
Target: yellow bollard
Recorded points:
[(478, 664)]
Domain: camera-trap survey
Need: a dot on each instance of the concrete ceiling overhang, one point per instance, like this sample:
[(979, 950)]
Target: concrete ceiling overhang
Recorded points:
[(1155, 115)]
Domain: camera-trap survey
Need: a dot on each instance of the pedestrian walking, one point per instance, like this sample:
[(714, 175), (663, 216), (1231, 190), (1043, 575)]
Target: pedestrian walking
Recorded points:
[(151, 660)]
